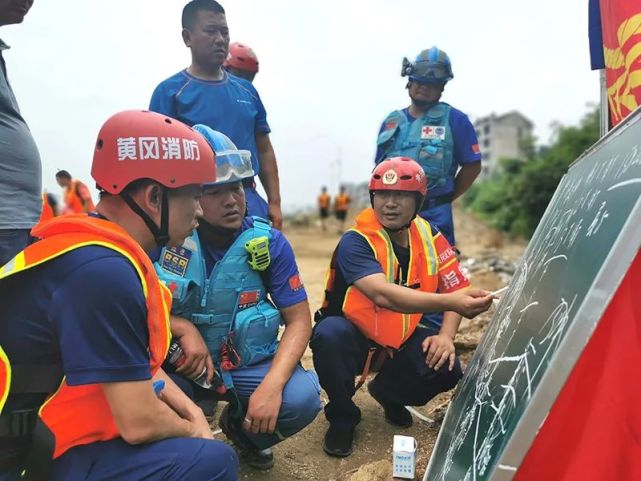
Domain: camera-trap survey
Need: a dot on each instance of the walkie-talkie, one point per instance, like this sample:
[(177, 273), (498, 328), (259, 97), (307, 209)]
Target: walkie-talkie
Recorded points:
[(258, 250)]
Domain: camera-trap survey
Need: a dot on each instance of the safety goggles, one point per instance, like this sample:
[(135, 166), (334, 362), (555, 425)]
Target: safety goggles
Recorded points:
[(233, 166)]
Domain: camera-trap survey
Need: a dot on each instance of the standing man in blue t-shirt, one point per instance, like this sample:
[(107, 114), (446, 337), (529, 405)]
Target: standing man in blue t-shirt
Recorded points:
[(204, 93), (438, 136)]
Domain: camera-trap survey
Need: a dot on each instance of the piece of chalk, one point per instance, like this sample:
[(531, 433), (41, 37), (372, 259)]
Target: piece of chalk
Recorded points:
[(501, 290)]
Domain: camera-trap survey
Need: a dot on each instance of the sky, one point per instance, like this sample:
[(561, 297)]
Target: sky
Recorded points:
[(329, 71)]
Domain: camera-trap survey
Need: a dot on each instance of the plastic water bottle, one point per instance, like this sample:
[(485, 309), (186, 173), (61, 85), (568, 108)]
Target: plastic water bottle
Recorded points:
[(176, 357)]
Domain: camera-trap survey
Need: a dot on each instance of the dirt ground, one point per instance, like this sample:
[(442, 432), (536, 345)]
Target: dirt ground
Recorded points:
[(301, 457)]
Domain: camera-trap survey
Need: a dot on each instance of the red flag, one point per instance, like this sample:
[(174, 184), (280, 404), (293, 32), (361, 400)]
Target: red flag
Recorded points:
[(621, 25)]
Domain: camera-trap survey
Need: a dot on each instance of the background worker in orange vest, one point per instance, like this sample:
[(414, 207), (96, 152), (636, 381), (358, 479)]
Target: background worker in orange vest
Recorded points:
[(323, 206), (49, 207), (85, 325), (341, 205), (384, 274), (76, 195)]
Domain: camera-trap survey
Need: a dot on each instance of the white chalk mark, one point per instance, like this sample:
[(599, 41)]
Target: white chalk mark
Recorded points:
[(560, 256), (510, 388), (624, 183), (505, 467), (507, 359), (535, 303)]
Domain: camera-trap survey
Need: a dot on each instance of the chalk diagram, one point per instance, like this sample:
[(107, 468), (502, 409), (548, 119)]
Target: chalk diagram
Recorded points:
[(507, 369)]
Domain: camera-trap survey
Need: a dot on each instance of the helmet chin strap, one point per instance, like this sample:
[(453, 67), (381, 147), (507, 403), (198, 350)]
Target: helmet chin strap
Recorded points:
[(161, 234)]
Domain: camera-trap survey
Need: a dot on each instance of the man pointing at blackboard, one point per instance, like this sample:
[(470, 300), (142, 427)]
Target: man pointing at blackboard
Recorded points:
[(384, 274)]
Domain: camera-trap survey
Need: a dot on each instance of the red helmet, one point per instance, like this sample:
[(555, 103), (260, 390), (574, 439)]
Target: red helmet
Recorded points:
[(242, 57), (399, 173), (137, 144)]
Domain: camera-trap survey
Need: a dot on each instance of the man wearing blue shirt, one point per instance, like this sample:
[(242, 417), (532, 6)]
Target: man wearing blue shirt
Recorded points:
[(438, 136), (221, 278), (85, 324), (204, 93)]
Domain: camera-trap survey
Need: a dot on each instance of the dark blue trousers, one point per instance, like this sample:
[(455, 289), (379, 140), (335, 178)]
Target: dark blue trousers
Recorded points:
[(186, 459), (339, 352), (300, 402)]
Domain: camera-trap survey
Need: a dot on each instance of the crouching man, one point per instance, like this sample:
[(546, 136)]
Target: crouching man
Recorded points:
[(85, 326), (384, 274), (221, 278)]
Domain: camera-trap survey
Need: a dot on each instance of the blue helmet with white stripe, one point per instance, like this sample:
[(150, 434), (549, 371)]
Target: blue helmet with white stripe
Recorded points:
[(232, 164), (431, 66)]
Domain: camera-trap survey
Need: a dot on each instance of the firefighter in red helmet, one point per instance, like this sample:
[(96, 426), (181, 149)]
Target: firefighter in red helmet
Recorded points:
[(85, 323)]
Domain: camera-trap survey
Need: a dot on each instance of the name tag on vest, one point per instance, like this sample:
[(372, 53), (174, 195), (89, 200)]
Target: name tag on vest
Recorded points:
[(432, 132), (176, 260)]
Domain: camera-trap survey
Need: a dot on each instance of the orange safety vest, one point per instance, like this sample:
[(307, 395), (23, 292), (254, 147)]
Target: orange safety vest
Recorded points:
[(73, 201), (78, 415), (383, 326), (323, 201), (47, 210), (342, 200)]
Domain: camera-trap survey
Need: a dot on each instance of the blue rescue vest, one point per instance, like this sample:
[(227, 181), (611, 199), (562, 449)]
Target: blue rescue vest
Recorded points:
[(229, 306), (428, 140)]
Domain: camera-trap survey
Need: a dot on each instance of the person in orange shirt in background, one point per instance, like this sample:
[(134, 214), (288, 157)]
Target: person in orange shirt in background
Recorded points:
[(323, 206), (49, 207), (76, 196), (341, 204)]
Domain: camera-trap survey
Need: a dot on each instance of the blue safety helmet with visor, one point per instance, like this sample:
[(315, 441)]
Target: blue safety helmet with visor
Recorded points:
[(432, 66), (232, 164)]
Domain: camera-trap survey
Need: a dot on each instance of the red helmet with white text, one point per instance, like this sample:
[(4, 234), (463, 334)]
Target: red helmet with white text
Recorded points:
[(137, 144)]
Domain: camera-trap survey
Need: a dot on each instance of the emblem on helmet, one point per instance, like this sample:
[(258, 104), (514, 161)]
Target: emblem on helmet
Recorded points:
[(390, 177)]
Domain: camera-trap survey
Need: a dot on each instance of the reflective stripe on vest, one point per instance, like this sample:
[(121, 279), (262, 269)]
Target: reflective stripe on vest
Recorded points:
[(80, 414), (385, 327), (428, 140)]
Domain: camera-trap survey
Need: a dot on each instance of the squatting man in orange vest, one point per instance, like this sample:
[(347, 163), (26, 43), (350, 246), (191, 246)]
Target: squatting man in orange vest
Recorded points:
[(85, 323), (384, 274)]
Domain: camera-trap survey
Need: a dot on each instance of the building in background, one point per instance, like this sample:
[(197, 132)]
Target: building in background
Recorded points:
[(503, 136)]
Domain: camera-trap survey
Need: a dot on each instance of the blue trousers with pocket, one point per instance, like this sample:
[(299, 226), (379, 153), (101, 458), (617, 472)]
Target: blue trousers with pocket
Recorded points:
[(300, 399), (186, 459), (12, 241), (340, 351)]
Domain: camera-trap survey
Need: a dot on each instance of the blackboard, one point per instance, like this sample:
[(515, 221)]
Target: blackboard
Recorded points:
[(576, 259)]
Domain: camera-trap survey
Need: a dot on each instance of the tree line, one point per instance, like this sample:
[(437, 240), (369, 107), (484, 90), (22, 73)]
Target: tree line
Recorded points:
[(515, 199)]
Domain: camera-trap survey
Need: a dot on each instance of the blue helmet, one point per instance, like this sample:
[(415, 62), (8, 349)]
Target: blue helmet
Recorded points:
[(431, 66), (232, 164)]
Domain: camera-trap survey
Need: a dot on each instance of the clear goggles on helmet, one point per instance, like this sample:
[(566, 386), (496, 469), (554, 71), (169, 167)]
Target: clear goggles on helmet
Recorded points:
[(233, 166), (423, 73)]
